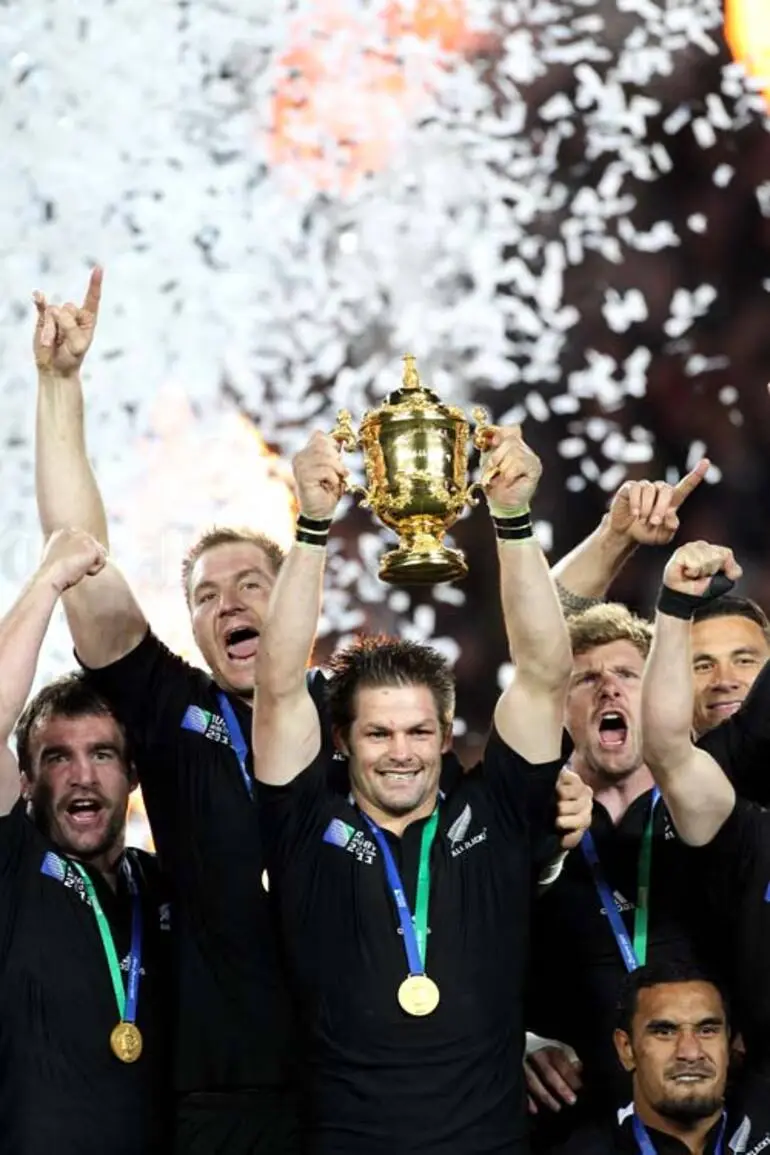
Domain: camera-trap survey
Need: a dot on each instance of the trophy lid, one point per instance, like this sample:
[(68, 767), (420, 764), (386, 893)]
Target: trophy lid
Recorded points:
[(413, 393)]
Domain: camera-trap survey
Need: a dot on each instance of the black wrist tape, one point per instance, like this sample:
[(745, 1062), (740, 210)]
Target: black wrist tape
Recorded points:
[(312, 531), (516, 528), (680, 605)]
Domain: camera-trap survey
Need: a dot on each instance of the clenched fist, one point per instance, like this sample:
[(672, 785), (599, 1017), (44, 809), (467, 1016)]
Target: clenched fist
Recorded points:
[(320, 477), (63, 334), (692, 566), (69, 556), (510, 470), (574, 809)]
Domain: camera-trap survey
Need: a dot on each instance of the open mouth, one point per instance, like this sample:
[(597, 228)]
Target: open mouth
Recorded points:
[(690, 1077), (84, 811), (241, 643), (613, 730)]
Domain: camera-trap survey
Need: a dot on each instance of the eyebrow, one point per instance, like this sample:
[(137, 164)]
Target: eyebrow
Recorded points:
[(750, 651), (92, 748), (669, 1024), (209, 583)]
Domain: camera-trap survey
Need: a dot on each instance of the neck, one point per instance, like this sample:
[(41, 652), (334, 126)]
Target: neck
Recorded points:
[(616, 795), (395, 823), (693, 1134), (106, 863)]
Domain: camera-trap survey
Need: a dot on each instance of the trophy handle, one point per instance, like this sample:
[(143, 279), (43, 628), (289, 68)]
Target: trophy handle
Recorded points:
[(345, 436), (343, 432), (483, 428)]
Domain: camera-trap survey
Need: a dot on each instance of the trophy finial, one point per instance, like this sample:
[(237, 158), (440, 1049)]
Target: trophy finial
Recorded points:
[(411, 379)]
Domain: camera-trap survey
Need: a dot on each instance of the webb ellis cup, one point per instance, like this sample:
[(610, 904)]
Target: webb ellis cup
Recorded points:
[(416, 458)]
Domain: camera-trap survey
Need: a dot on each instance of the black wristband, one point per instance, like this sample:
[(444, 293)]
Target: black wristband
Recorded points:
[(516, 528), (312, 531), (313, 524), (681, 605)]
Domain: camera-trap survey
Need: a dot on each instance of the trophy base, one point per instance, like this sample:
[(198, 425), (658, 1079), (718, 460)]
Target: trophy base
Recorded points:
[(422, 567)]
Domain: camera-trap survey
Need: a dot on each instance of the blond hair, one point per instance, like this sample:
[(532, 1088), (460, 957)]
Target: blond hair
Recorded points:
[(227, 535), (606, 623)]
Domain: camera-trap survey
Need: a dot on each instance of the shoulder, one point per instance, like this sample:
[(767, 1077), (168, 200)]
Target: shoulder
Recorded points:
[(592, 1139)]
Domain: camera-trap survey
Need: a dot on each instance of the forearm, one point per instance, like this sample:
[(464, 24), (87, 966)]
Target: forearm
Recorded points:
[(286, 641), (67, 493), (22, 631), (590, 568), (537, 633), (667, 696)]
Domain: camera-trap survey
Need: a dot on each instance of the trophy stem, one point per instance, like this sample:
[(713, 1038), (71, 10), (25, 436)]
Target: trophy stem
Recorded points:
[(421, 558)]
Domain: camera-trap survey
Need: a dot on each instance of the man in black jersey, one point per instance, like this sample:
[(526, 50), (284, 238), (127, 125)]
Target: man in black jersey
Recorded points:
[(235, 1046), (84, 1054), (404, 884), (733, 834)]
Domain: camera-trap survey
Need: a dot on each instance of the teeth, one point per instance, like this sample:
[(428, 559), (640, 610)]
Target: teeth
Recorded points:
[(400, 774)]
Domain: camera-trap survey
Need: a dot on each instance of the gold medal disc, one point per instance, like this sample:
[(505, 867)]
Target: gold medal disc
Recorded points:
[(418, 995), (126, 1042)]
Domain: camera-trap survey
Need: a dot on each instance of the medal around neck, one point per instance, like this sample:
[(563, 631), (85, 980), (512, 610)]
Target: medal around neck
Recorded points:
[(418, 995), (415, 451), (126, 1042)]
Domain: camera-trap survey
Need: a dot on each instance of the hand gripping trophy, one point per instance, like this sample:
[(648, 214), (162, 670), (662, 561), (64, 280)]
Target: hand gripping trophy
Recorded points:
[(416, 459)]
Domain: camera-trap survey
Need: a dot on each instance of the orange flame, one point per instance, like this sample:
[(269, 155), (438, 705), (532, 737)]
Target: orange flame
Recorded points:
[(747, 31)]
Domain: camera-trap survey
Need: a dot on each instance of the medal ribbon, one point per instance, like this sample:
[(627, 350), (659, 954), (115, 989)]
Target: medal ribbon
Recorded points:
[(237, 739), (634, 954), (647, 1147), (127, 999), (415, 930)]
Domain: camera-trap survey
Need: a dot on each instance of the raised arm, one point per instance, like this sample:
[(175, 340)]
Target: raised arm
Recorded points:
[(695, 788), (530, 713), (104, 618), (640, 513), (286, 730), (67, 559)]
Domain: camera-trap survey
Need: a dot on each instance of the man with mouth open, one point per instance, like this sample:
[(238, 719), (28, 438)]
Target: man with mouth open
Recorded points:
[(84, 1047), (404, 894), (236, 1056), (673, 1037), (631, 864)]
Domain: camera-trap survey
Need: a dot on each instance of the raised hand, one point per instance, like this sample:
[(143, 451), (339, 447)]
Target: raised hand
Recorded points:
[(69, 556), (574, 808), (63, 333), (691, 567), (646, 512), (510, 471), (320, 476)]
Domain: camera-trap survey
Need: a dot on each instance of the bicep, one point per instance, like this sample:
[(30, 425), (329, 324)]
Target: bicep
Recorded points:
[(286, 736), (104, 617), (9, 780), (699, 796), (530, 719)]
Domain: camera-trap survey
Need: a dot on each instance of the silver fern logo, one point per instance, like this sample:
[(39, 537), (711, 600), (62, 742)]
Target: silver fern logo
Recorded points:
[(459, 828)]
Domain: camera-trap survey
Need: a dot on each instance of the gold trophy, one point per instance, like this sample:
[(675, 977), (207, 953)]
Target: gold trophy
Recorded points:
[(416, 458)]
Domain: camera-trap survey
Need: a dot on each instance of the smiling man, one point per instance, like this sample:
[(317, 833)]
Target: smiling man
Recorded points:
[(403, 883), (235, 1052), (730, 645), (673, 1038), (631, 865)]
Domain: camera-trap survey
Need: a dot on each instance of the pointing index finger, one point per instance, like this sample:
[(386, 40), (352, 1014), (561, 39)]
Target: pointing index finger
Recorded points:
[(94, 291), (690, 482)]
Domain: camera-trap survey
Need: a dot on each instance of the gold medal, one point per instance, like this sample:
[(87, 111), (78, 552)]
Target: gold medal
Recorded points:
[(418, 995), (126, 1042)]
